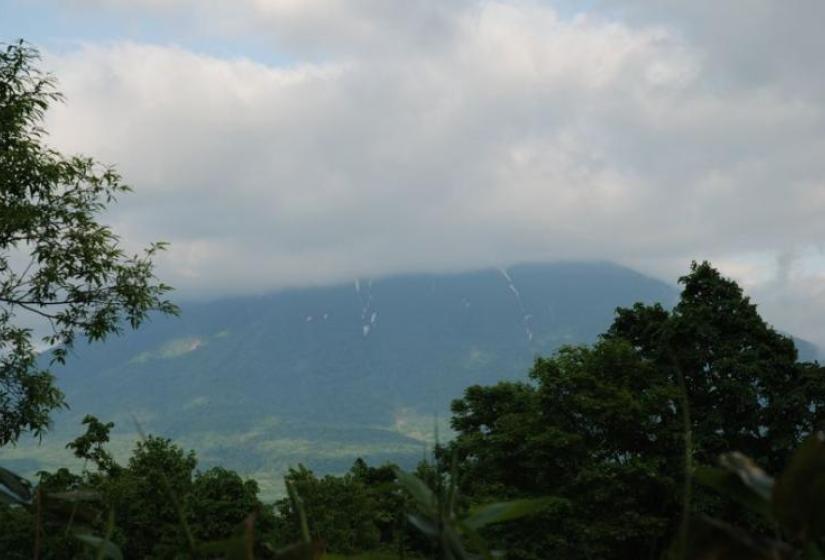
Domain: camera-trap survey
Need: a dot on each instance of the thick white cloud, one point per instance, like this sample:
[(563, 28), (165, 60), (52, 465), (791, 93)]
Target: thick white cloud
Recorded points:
[(447, 135)]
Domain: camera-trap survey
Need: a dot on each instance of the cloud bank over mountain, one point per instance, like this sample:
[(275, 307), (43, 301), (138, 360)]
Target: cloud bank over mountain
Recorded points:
[(343, 139)]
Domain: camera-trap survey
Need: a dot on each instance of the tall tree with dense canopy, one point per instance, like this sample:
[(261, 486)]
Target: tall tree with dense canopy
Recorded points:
[(340, 511), (58, 263), (603, 425), (747, 389), (147, 497)]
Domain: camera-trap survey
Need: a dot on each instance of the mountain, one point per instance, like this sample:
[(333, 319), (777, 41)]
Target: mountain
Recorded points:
[(323, 375), (806, 350)]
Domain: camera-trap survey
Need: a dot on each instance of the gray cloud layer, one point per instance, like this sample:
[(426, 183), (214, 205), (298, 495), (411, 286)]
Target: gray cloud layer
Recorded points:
[(446, 135)]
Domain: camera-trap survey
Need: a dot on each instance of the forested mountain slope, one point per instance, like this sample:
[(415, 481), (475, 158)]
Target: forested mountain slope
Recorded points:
[(322, 375)]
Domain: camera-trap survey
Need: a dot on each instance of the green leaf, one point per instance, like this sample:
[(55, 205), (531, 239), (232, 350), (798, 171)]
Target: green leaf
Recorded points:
[(732, 485), (105, 548), (230, 549), (500, 512), (711, 538), (423, 524), (76, 496), (453, 542), (300, 551), (749, 473), (17, 488), (298, 506), (8, 498), (422, 495), (812, 552), (799, 492)]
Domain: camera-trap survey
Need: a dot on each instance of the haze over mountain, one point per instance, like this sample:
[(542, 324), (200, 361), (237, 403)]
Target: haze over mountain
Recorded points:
[(323, 375), (278, 143)]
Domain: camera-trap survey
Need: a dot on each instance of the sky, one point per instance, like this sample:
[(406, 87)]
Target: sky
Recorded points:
[(280, 143)]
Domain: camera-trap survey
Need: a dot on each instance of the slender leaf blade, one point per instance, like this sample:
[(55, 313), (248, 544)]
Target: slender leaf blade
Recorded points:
[(104, 547), (800, 491), (419, 491), (499, 512), (16, 486), (729, 484)]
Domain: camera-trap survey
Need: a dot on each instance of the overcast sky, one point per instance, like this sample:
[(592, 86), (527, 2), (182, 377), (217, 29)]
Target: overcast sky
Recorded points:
[(292, 142)]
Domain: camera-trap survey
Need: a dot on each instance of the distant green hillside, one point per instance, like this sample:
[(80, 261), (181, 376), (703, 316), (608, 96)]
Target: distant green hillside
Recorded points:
[(324, 375)]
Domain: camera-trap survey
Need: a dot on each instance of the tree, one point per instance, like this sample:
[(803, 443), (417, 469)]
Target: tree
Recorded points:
[(592, 427), (89, 446), (390, 505), (149, 497), (603, 425), (221, 501), (746, 387), (157, 508), (339, 510), (58, 262)]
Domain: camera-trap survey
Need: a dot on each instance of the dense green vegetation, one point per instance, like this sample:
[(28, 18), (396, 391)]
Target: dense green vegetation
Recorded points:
[(254, 386), (598, 454), (790, 507), (601, 440), (604, 425), (58, 263)]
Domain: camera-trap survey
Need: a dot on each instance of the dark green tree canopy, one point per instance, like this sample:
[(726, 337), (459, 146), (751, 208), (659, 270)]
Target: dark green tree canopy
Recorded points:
[(140, 496), (602, 425), (340, 510), (747, 390), (89, 446), (58, 263)]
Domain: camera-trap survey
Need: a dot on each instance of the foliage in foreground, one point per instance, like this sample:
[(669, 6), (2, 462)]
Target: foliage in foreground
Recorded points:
[(454, 533), (606, 426), (58, 263), (792, 507), (155, 508)]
